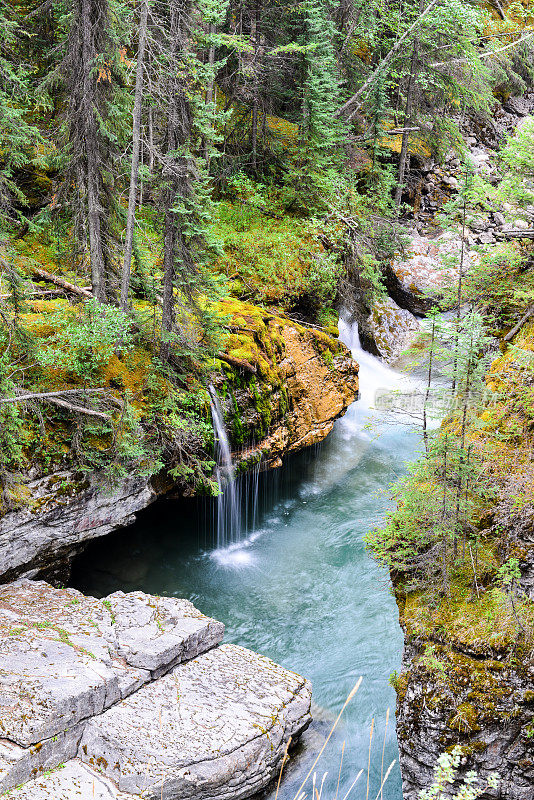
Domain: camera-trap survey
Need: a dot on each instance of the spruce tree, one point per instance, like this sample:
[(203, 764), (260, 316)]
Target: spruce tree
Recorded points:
[(321, 135), (18, 137), (91, 73)]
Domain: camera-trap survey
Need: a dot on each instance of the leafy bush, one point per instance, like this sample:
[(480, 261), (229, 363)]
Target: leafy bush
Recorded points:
[(85, 338), (445, 774)]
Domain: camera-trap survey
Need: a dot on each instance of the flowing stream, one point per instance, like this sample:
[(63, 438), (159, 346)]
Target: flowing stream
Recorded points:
[(296, 583)]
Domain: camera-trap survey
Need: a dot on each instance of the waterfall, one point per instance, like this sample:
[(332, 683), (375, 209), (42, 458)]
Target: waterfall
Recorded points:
[(229, 501), (384, 391), (374, 375)]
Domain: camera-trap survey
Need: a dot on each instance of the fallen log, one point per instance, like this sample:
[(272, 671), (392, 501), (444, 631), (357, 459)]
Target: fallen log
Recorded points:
[(395, 131), (41, 293), (47, 395), (236, 362), (55, 279), (55, 399), (89, 412), (528, 313), (517, 233)]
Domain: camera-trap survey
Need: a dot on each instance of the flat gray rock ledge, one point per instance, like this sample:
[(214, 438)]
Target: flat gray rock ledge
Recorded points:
[(72, 781), (134, 689)]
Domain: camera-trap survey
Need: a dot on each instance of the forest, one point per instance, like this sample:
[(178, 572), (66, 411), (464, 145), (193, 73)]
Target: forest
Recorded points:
[(160, 158), (224, 225)]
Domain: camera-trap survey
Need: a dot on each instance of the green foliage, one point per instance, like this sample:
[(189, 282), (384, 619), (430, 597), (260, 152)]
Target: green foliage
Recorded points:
[(500, 282), (279, 261), (446, 774), (11, 418), (518, 158), (509, 573), (431, 661), (435, 507), (394, 680), (19, 138), (85, 339)]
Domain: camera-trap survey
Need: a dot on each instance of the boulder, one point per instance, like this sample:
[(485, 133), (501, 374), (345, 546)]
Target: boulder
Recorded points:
[(519, 106), (426, 269), (392, 327), (479, 223)]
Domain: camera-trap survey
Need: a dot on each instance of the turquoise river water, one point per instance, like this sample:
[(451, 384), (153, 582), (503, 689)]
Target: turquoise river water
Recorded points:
[(300, 586)]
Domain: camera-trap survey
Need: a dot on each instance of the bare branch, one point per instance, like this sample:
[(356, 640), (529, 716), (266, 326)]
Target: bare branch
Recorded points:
[(47, 395)]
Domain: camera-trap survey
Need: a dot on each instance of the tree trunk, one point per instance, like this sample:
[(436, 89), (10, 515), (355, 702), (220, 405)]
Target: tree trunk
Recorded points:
[(351, 106), (254, 37), (96, 250), (209, 93), (136, 147), (96, 246), (167, 306), (150, 142), (404, 159), (178, 171)]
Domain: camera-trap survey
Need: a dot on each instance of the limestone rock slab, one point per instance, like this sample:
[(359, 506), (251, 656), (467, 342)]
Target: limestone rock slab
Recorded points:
[(65, 657), (156, 633), (215, 726), (74, 781), (19, 764)]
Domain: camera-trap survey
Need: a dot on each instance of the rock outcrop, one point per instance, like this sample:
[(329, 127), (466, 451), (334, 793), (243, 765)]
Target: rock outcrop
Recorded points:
[(302, 379), (319, 380), (135, 695), (62, 512), (393, 328), (481, 703)]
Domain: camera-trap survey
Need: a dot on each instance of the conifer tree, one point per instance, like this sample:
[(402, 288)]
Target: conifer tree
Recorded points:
[(91, 71), (183, 119), (18, 137), (320, 136)]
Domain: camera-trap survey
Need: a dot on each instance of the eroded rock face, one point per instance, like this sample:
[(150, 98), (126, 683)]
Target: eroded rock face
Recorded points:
[(63, 512), (481, 704), (319, 389), (137, 687), (393, 328), (73, 781), (429, 267)]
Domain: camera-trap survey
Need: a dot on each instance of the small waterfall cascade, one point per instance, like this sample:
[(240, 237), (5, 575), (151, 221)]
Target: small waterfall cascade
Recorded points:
[(229, 500), (375, 376), (384, 392)]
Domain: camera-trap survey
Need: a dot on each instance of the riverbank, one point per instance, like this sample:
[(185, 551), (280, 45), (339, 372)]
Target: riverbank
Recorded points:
[(459, 545)]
